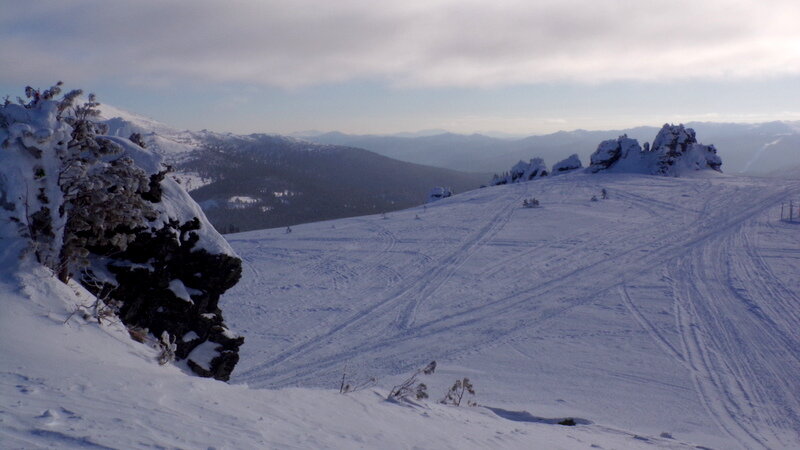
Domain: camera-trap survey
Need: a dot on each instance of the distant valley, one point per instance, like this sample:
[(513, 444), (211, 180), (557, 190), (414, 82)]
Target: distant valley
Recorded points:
[(246, 182)]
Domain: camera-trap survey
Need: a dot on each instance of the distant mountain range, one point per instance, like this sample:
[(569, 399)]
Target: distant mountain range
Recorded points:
[(256, 181), (752, 149)]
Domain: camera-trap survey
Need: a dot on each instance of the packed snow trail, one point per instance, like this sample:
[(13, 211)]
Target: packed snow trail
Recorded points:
[(666, 278)]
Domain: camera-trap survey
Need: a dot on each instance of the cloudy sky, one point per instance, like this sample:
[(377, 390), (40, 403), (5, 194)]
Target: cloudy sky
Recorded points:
[(368, 66)]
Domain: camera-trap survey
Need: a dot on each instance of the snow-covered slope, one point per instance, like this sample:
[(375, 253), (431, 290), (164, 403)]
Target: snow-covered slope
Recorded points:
[(163, 139), (665, 317), (671, 307), (69, 383)]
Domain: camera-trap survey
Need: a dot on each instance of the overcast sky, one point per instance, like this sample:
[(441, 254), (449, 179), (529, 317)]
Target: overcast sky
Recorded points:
[(374, 66)]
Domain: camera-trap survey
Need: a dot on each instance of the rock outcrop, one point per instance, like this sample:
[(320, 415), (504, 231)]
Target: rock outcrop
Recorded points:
[(439, 193), (164, 281), (522, 171), (675, 150), (612, 151), (99, 209), (170, 279), (567, 165)]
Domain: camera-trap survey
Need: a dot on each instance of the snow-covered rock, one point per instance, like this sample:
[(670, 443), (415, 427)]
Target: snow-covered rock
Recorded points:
[(99, 209), (522, 171), (573, 162), (675, 150), (612, 151), (178, 257), (439, 193)]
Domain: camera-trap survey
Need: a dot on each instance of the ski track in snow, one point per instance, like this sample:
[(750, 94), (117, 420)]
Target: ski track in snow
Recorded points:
[(406, 299), (745, 374), (410, 293)]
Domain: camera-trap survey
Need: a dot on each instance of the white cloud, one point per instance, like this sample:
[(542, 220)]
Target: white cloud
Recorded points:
[(292, 43)]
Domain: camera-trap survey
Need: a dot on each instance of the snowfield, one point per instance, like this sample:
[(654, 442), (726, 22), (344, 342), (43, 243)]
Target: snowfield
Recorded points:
[(666, 316), (671, 307)]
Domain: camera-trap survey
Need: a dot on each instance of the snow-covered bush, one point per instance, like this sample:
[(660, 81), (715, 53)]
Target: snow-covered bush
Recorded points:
[(78, 189), (411, 387), (346, 387), (457, 391), (532, 203), (99, 209)]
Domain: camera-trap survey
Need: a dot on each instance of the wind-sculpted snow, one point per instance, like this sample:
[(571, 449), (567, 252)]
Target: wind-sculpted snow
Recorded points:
[(669, 307)]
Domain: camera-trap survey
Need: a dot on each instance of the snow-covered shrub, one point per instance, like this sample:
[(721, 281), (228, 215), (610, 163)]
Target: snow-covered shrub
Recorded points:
[(34, 143), (497, 180), (457, 391), (80, 191), (532, 203), (411, 387), (136, 138), (167, 348), (99, 209), (345, 387)]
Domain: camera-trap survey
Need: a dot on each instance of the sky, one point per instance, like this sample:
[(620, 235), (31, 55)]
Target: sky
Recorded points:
[(357, 66)]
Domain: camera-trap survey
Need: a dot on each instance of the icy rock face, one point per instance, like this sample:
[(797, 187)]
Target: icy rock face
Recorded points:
[(522, 171), (439, 193), (567, 165), (675, 149), (610, 152)]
